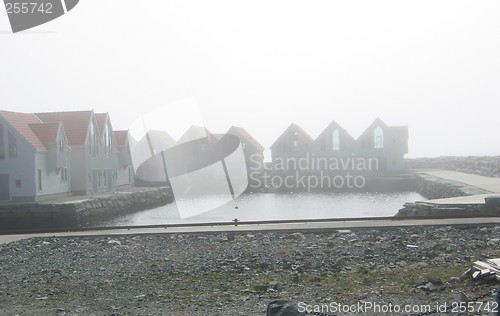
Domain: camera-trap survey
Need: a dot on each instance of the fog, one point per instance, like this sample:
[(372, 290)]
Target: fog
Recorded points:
[(261, 65)]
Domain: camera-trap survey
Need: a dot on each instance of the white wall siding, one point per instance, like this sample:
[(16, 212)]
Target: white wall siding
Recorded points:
[(20, 169), (123, 176), (51, 179), (78, 170)]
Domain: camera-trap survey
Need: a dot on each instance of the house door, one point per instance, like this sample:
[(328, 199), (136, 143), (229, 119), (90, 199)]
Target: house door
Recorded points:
[(4, 187), (95, 180)]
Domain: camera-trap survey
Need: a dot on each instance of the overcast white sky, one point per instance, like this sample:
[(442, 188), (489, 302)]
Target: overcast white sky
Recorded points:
[(431, 65)]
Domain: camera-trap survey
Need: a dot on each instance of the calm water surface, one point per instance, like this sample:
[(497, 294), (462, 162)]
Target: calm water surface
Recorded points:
[(279, 206)]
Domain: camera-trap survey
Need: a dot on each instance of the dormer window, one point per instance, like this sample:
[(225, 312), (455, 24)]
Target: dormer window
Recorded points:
[(61, 146)]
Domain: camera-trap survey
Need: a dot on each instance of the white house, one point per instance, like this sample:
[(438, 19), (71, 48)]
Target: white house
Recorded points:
[(33, 158), (93, 158)]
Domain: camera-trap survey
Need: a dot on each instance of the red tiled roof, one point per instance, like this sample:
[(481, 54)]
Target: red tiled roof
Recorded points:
[(75, 124), (121, 138), (46, 132), (21, 122)]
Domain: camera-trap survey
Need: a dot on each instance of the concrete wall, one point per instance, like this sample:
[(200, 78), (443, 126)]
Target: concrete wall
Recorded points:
[(437, 188), (83, 213)]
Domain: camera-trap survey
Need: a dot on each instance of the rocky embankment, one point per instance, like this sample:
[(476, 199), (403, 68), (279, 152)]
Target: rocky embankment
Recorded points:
[(437, 188), (488, 166), (239, 274)]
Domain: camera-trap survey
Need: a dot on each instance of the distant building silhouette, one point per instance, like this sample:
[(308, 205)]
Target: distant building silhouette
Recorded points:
[(293, 144), (379, 149), (153, 172), (254, 154), (388, 144)]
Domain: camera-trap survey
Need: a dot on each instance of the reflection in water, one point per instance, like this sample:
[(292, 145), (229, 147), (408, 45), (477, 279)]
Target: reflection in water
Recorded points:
[(274, 206)]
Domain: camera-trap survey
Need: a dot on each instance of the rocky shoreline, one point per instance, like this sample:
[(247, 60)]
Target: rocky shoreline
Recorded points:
[(240, 273)]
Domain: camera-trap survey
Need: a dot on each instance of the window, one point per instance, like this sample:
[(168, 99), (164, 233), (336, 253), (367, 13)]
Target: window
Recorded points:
[(107, 141), (203, 148), (2, 147), (91, 136), (12, 146), (18, 183), (336, 140), (378, 138), (295, 141), (39, 176), (93, 140), (61, 146), (243, 145), (64, 175)]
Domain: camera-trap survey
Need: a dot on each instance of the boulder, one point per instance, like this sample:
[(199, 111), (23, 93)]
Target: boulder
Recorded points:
[(283, 308)]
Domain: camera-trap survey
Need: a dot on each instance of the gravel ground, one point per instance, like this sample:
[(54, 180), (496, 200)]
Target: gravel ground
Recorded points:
[(239, 274)]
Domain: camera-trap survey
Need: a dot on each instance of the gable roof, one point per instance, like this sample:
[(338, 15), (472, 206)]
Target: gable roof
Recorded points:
[(293, 127), (46, 132), (75, 123), (241, 132), (21, 123), (376, 122), (195, 132), (335, 125), (160, 140), (121, 138), (101, 120)]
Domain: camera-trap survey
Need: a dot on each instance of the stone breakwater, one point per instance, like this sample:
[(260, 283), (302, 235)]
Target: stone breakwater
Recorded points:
[(488, 166), (84, 212), (437, 188), (239, 274)]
